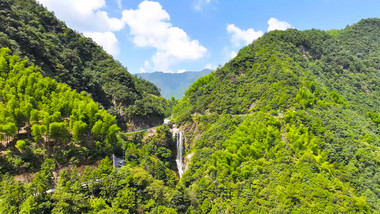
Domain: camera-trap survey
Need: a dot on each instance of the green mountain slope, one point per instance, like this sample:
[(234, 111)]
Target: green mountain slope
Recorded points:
[(47, 129), (290, 125), (173, 84), (41, 118), (33, 33)]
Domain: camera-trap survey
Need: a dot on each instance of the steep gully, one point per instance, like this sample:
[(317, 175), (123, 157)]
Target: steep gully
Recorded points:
[(181, 166), (178, 134)]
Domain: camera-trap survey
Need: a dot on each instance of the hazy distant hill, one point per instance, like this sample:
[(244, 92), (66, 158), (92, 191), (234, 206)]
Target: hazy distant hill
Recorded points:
[(173, 84)]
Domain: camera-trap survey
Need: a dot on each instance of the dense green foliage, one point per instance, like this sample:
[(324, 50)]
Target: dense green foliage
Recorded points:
[(45, 125), (146, 184), (290, 125), (41, 118), (33, 33)]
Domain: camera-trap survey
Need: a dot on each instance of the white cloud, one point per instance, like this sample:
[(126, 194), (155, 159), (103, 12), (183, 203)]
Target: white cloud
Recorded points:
[(107, 40), (84, 15), (150, 27), (209, 66), (242, 36), (87, 16), (181, 71), (147, 64), (275, 24), (199, 5), (233, 54)]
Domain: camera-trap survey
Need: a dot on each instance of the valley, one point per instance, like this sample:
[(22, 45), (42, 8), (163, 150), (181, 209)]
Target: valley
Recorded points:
[(290, 124), (173, 84)]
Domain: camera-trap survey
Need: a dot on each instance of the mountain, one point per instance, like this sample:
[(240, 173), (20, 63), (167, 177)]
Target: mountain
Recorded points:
[(290, 125), (57, 90), (35, 34), (41, 118), (173, 84), (62, 140)]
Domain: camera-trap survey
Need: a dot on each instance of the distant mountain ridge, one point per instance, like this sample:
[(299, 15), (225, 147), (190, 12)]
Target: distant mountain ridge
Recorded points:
[(173, 84)]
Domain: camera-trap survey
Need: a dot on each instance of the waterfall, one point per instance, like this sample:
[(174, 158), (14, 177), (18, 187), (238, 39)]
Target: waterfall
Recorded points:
[(179, 158)]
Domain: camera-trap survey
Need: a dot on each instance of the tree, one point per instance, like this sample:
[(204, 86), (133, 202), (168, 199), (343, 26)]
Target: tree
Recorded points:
[(58, 131), (43, 180), (12, 195), (21, 144), (78, 129), (98, 204), (125, 199), (38, 131), (29, 206), (9, 130), (68, 197)]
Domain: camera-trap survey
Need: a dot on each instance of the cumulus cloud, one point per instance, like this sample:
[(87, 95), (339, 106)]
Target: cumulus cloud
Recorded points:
[(87, 17), (244, 37), (150, 27), (84, 15), (107, 40), (275, 24)]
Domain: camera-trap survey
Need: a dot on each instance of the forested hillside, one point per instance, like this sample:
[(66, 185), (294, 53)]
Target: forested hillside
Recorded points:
[(34, 33), (290, 125), (46, 126), (41, 118), (58, 93)]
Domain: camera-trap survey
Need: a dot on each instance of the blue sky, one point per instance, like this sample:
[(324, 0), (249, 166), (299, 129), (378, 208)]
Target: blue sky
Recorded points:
[(179, 35)]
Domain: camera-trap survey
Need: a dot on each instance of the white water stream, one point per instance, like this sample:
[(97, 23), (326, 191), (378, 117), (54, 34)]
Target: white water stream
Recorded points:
[(179, 158)]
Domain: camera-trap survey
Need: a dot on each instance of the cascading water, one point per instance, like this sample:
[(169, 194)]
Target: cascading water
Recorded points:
[(179, 158)]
